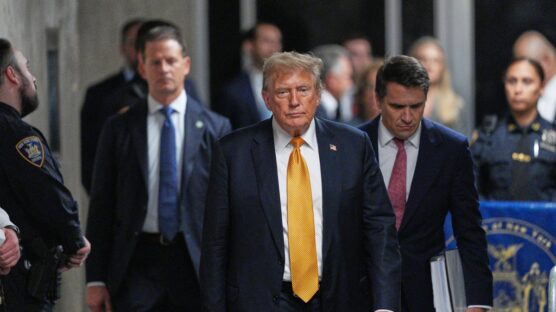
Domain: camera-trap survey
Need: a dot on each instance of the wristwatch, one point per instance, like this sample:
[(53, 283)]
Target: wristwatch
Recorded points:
[(15, 229)]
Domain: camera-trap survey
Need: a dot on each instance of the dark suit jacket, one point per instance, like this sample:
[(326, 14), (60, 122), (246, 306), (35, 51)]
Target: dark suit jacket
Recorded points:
[(119, 194), (238, 103), (102, 101), (443, 182), (94, 112), (243, 250)]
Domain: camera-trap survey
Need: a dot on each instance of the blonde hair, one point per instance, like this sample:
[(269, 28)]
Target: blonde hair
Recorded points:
[(448, 104)]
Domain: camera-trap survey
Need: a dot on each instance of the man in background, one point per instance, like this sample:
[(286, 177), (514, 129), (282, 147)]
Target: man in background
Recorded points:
[(360, 53), (97, 106), (241, 99), (150, 187), (337, 78)]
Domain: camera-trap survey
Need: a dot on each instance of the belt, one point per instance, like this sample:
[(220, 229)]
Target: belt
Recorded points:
[(158, 238)]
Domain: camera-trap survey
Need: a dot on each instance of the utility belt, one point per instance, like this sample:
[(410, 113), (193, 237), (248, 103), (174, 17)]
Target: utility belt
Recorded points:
[(43, 275)]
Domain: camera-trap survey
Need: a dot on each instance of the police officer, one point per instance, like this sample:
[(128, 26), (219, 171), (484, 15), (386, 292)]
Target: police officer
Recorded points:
[(515, 158), (33, 193)]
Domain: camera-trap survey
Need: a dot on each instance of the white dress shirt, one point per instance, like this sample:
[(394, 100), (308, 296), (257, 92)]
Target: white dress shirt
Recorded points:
[(329, 104), (310, 152), (387, 151), (547, 102), (4, 219), (155, 120)]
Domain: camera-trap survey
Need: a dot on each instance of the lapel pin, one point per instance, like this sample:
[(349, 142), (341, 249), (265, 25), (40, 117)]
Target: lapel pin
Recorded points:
[(199, 124), (333, 147)]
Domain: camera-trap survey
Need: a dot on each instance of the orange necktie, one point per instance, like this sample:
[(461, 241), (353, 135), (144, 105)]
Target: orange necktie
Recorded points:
[(301, 226)]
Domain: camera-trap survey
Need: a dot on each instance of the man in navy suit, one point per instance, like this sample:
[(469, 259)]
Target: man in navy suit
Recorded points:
[(241, 100), (429, 172), (263, 225), (149, 190), (97, 107)]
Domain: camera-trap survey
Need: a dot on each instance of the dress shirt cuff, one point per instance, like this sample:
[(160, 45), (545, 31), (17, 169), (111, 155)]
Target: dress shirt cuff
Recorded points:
[(487, 308), (96, 283)]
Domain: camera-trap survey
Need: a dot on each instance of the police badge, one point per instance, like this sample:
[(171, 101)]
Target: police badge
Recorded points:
[(32, 150), (548, 140)]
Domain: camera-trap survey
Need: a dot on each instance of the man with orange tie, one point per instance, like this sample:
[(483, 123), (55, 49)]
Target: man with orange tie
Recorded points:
[(428, 170), (298, 218)]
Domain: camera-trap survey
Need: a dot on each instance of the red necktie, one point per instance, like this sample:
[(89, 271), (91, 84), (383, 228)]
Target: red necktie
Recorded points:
[(397, 184)]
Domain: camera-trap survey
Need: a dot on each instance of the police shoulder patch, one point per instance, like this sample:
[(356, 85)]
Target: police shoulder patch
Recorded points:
[(31, 149)]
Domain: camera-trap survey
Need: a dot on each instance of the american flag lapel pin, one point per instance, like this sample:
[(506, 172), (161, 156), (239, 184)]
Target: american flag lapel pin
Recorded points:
[(333, 147)]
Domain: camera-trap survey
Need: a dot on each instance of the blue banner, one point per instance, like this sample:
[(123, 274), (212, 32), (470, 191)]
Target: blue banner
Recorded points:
[(521, 249)]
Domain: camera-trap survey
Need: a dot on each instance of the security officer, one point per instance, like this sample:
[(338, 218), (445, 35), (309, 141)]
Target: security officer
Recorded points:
[(515, 158), (33, 194)]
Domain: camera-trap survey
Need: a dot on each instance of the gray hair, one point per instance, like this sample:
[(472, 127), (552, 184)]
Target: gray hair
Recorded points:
[(330, 55), (292, 61)]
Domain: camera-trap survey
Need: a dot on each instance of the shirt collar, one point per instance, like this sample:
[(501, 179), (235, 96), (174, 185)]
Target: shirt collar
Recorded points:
[(178, 104), (282, 138), (385, 136), (513, 126)]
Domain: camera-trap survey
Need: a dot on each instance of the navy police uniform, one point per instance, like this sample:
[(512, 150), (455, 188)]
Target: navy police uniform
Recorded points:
[(514, 163), (33, 193)]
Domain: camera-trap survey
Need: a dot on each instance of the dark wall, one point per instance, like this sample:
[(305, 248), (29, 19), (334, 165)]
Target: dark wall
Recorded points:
[(497, 26), (304, 23), (224, 32), (308, 23), (418, 21)]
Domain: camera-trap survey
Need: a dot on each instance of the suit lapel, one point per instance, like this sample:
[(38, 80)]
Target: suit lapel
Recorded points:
[(429, 163), (373, 134), (329, 151), (264, 161), (194, 128), (138, 131)]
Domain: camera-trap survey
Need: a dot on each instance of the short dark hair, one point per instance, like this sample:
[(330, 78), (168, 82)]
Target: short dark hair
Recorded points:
[(536, 65), (7, 58), (127, 27), (404, 70), (355, 36), (155, 30)]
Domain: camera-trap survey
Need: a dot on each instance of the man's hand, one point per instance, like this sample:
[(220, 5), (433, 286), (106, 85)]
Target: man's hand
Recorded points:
[(476, 310), (9, 251), (98, 299), (78, 259)]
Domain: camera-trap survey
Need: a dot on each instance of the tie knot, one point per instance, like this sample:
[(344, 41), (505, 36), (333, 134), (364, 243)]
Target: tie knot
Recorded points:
[(399, 143), (297, 142), (167, 111)]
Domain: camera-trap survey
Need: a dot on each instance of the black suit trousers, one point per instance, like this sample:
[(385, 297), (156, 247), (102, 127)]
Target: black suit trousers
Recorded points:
[(160, 278)]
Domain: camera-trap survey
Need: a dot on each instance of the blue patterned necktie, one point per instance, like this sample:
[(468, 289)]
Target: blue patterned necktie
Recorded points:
[(168, 219)]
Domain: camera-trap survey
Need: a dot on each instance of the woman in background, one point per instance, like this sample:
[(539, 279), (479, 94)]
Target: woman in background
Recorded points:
[(443, 104), (366, 105)]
